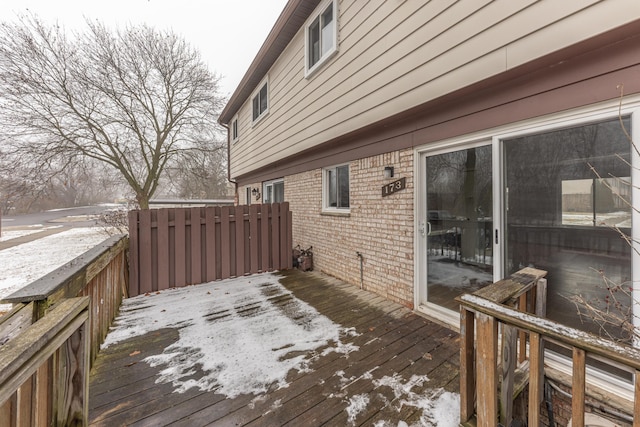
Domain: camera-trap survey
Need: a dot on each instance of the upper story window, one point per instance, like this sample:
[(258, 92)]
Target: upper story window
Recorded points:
[(321, 36), (234, 129), (260, 102), (336, 188)]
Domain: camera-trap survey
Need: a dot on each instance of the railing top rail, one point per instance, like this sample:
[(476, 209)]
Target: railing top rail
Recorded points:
[(506, 290), (64, 276), (42, 337), (563, 334)]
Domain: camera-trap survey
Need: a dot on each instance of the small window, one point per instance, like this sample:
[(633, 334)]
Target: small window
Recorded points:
[(336, 188), (321, 37), (234, 130), (260, 102), (248, 195), (273, 191)]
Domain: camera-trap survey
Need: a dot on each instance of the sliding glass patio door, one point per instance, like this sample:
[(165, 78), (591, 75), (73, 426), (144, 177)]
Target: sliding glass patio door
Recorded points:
[(556, 200)]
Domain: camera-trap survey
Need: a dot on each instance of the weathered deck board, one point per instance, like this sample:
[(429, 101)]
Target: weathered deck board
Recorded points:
[(392, 340)]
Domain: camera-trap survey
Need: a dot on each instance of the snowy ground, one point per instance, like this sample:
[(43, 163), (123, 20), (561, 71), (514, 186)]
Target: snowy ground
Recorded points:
[(9, 234), (22, 264)]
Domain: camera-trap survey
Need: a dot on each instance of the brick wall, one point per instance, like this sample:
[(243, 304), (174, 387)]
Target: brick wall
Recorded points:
[(380, 228)]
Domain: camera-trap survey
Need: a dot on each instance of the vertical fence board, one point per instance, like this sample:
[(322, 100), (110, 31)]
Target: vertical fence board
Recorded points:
[(225, 241), (23, 413), (255, 238), (196, 246), (210, 238), (285, 248), (163, 248), (134, 271), (42, 412), (240, 240), (5, 413), (180, 246), (264, 234), (275, 237), (145, 251), (289, 239)]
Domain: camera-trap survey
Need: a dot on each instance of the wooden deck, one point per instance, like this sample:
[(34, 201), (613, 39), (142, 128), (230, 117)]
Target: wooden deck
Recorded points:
[(392, 341)]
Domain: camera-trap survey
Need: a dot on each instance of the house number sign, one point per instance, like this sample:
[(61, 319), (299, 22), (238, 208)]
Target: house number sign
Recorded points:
[(394, 187)]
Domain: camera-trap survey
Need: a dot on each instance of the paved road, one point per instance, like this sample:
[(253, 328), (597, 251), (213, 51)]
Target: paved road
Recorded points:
[(72, 217)]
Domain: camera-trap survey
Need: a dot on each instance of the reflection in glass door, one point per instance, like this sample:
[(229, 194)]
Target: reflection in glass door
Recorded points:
[(459, 224)]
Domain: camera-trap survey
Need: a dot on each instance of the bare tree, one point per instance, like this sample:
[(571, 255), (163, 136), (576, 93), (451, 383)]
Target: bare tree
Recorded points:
[(138, 99)]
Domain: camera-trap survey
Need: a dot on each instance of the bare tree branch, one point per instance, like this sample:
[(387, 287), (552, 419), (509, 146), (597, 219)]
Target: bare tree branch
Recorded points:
[(138, 99)]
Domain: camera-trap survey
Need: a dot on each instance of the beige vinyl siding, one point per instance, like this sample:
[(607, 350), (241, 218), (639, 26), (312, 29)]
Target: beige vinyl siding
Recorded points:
[(396, 55)]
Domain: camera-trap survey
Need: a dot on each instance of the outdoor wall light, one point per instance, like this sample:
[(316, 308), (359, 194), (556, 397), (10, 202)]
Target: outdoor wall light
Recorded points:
[(256, 193), (388, 172)]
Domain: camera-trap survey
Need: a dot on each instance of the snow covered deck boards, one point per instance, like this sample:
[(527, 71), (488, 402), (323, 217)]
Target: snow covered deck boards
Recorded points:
[(400, 366)]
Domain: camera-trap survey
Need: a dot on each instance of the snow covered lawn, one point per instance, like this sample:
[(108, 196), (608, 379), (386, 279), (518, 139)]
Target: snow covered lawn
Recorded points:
[(9, 234), (22, 264)]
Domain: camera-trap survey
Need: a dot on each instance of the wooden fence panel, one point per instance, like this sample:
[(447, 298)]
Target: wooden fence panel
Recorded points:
[(193, 245)]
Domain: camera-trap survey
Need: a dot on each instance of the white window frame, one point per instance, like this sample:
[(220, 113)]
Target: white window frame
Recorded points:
[(324, 56), (233, 129), (325, 190), (269, 185), (257, 94)]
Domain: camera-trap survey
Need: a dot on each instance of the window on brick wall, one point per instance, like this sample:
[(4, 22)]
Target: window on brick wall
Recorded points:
[(273, 191), (335, 188)]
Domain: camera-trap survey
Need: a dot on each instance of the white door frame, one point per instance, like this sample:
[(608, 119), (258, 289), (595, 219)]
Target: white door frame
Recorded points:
[(421, 304)]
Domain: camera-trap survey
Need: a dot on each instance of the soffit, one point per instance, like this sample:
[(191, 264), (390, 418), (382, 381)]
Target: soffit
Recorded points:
[(292, 18)]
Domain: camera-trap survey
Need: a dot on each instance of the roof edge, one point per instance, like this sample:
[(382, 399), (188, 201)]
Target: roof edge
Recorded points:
[(293, 16)]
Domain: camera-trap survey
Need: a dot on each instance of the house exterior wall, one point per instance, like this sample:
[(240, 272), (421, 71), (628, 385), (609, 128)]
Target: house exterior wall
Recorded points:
[(395, 55), (379, 228)]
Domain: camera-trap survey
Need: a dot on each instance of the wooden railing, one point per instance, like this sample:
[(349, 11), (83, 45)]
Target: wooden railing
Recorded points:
[(493, 309), (187, 246), (487, 383), (44, 376), (101, 273), (52, 335)]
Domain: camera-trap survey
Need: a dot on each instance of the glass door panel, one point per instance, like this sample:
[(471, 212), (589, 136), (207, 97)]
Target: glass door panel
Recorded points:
[(567, 195), (459, 224)]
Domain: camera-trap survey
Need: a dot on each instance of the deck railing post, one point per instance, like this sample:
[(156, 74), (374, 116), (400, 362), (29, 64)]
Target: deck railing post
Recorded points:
[(487, 371), (467, 364), (636, 399), (509, 356), (578, 387), (536, 362)]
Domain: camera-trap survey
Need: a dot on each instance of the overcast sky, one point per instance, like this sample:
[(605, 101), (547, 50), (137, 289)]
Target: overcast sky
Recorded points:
[(228, 33)]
